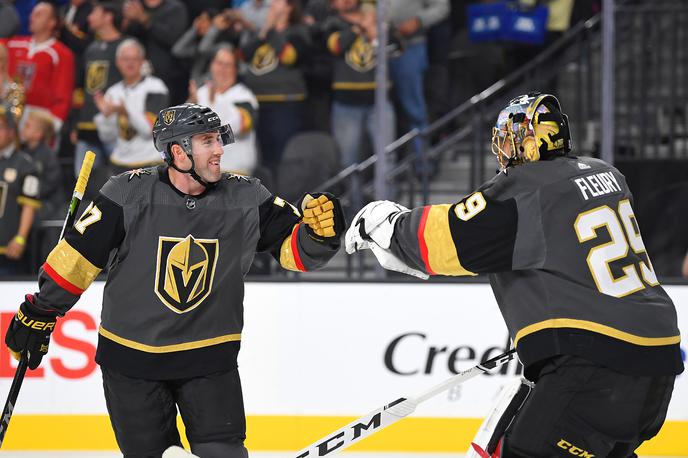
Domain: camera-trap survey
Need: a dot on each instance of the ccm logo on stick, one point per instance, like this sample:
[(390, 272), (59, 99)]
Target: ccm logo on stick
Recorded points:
[(59, 339), (334, 442)]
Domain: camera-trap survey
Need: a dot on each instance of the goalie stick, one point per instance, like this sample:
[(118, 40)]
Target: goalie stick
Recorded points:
[(384, 416), (78, 194)]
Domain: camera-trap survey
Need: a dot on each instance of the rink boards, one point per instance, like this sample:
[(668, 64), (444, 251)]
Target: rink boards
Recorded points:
[(314, 356)]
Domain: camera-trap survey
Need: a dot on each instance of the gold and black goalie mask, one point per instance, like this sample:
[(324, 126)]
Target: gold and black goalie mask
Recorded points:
[(531, 128)]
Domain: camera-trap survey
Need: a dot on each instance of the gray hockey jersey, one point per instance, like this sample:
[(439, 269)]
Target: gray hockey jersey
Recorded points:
[(566, 260), (173, 299)]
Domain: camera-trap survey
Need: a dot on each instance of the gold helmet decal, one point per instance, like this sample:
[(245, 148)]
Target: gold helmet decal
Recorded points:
[(185, 271), (168, 117)]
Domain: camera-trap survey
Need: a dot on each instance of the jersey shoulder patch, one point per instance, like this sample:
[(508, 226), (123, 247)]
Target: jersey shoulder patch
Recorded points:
[(138, 173), (239, 178), (120, 188)]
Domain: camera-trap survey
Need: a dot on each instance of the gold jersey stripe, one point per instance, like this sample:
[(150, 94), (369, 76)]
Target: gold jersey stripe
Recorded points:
[(443, 257), (287, 255), (72, 266), (86, 126), (598, 328), (280, 97), (29, 202), (354, 86), (168, 348)]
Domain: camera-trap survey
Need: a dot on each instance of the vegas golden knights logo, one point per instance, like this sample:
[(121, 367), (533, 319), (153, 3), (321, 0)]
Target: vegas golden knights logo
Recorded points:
[(264, 60), (96, 76), (361, 55), (168, 117), (185, 271)]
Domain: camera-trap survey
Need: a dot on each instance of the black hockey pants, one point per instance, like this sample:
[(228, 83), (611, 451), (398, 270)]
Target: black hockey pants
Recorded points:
[(579, 408), (143, 414)]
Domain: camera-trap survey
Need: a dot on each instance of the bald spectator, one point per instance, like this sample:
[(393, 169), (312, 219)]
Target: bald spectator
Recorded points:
[(128, 110), (236, 105), (158, 24), (9, 19), (44, 65)]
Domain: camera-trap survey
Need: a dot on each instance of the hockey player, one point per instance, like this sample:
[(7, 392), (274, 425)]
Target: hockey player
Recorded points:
[(575, 285), (177, 240)]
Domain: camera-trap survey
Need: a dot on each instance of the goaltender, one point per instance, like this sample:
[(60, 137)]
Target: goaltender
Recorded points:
[(558, 235)]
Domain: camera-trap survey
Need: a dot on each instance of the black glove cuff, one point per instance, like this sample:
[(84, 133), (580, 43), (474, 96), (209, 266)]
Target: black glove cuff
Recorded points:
[(28, 317), (333, 242), (29, 308)]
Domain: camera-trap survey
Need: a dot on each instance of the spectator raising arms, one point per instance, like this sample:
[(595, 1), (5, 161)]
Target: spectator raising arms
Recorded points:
[(74, 31), (19, 191), (98, 73), (200, 41), (128, 110), (273, 56), (158, 24), (350, 37), (44, 65), (236, 105)]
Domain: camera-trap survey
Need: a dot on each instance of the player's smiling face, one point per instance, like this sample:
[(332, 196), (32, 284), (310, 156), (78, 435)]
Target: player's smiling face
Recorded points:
[(207, 151)]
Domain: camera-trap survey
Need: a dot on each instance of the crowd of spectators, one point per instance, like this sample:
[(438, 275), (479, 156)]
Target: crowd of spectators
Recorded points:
[(92, 75)]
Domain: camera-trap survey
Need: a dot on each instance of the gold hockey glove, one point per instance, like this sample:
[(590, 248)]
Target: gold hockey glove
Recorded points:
[(323, 214)]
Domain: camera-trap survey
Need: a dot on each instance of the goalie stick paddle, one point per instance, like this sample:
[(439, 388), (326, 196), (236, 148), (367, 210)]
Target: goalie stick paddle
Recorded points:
[(77, 195), (384, 416)]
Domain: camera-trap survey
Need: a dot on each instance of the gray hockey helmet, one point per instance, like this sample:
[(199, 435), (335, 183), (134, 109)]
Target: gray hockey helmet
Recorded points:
[(179, 123)]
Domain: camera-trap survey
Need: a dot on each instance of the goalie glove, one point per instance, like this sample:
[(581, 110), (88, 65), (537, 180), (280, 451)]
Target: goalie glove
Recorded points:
[(30, 332), (323, 214), (375, 222), (372, 229)]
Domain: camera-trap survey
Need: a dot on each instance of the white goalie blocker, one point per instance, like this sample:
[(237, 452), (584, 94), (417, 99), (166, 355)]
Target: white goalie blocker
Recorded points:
[(372, 229), (487, 441)]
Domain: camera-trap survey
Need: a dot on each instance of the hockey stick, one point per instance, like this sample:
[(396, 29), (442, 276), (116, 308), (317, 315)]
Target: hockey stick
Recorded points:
[(77, 195), (384, 416)]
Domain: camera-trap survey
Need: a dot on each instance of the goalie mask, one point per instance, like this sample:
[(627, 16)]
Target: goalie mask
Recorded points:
[(531, 128)]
